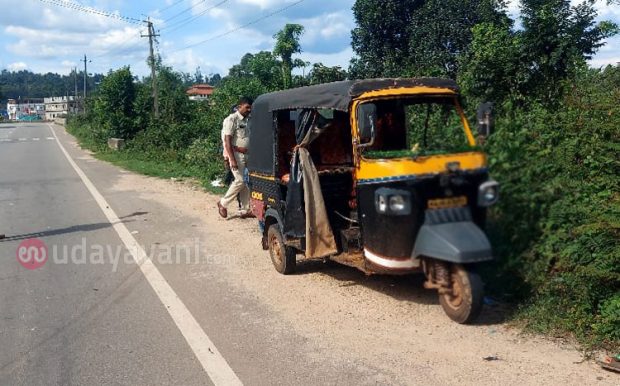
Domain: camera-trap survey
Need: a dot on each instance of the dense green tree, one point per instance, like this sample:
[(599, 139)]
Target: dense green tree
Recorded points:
[(173, 101), (114, 104), (214, 80), (421, 37), (263, 66), (491, 70), (324, 74), (534, 63), (381, 38), (287, 44), (26, 84), (557, 39), (442, 31)]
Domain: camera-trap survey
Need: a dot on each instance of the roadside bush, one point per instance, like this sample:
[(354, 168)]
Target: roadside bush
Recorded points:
[(91, 135), (557, 227), (114, 104), (207, 155)]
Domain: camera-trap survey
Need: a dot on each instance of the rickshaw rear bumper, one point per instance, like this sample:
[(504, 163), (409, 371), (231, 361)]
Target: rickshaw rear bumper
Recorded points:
[(455, 242)]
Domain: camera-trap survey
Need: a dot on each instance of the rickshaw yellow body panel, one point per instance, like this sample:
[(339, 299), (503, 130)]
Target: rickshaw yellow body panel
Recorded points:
[(376, 169)]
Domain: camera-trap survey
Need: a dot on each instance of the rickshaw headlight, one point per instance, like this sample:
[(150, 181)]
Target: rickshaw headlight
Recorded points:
[(488, 193), (393, 202), (397, 203)]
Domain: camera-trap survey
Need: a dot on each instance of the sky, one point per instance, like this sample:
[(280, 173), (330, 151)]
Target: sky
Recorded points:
[(53, 35)]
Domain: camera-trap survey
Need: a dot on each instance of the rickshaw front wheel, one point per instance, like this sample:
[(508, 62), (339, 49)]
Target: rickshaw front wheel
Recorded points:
[(282, 257), (464, 303)]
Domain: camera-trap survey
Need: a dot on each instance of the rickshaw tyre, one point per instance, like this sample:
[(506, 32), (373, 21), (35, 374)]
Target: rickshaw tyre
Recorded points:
[(283, 258), (471, 303)]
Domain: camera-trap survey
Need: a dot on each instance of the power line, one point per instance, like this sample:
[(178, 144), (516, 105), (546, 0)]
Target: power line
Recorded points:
[(184, 11), (171, 5), (240, 27), (79, 7), (120, 45), (184, 22)]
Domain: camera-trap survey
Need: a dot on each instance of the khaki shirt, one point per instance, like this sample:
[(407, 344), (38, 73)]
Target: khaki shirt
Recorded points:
[(236, 125)]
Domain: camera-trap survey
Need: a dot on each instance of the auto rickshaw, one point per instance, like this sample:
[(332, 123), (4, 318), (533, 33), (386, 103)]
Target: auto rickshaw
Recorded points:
[(383, 175)]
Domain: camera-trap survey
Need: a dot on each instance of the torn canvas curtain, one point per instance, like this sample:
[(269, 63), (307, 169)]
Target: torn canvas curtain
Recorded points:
[(306, 215)]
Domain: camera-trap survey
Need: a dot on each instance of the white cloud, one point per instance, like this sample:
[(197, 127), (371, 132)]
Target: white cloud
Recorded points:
[(327, 26), (341, 58), (262, 4), (608, 54), (603, 9), (17, 66), (603, 62)]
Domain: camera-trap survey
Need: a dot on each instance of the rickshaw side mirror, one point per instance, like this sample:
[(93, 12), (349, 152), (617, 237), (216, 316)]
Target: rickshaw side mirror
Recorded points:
[(366, 118), (485, 119)]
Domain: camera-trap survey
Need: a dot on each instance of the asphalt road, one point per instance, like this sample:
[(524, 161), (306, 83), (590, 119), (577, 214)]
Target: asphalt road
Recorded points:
[(81, 305), (91, 315)]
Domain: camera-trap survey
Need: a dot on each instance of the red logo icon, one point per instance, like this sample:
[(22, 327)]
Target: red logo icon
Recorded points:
[(32, 253)]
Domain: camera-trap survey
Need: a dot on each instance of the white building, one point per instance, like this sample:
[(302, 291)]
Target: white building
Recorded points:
[(200, 92), (23, 110), (59, 107)]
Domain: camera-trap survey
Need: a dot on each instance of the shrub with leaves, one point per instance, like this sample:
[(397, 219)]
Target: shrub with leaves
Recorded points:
[(557, 228)]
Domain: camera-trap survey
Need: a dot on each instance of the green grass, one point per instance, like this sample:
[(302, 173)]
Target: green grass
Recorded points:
[(141, 162), (166, 169)]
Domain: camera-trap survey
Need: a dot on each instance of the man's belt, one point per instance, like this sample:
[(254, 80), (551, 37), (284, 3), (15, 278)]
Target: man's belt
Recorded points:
[(242, 150)]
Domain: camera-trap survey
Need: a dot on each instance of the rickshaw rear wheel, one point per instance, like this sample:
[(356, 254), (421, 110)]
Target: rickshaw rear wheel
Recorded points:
[(283, 257), (464, 303)]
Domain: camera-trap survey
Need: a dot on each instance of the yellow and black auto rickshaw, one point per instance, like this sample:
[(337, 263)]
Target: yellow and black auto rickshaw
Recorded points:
[(382, 174)]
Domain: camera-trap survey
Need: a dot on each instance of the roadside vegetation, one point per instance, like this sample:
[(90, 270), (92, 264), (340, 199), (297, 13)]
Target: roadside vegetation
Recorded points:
[(555, 147)]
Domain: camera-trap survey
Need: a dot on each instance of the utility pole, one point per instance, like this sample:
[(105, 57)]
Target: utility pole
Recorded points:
[(75, 81), (85, 60), (152, 35)]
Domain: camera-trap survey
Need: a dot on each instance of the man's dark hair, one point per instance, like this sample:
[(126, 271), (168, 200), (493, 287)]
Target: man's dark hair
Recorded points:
[(245, 100)]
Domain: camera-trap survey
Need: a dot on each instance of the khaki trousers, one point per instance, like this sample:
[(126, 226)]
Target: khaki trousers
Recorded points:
[(238, 187)]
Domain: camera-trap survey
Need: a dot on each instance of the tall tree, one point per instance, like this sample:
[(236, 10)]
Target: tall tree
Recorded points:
[(442, 31), (416, 37), (381, 38), (533, 64), (287, 44), (215, 80), (114, 104), (198, 78), (492, 69), (263, 66), (558, 39)]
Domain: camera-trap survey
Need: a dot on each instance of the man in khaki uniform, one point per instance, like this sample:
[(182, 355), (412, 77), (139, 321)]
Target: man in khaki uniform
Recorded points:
[(236, 140)]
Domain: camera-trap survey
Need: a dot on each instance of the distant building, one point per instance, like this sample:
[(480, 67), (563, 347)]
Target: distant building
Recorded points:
[(56, 107), (200, 92), (28, 109)]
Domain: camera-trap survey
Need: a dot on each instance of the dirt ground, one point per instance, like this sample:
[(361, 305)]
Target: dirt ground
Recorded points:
[(389, 323)]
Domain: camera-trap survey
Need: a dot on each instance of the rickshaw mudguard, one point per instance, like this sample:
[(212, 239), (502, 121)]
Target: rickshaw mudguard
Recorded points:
[(456, 242)]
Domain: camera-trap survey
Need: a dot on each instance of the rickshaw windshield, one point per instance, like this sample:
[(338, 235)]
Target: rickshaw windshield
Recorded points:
[(414, 126)]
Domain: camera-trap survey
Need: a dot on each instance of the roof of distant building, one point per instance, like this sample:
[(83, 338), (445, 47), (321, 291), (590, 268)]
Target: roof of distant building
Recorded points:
[(200, 89)]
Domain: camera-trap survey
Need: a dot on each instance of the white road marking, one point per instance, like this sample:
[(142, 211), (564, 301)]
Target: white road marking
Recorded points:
[(50, 138), (35, 139), (6, 140), (205, 351), (23, 139)]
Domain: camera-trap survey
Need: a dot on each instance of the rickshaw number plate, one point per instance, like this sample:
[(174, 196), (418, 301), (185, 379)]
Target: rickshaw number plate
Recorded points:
[(452, 202)]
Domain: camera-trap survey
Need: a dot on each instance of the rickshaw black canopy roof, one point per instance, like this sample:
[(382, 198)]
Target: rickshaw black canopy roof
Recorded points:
[(338, 95), (335, 95)]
